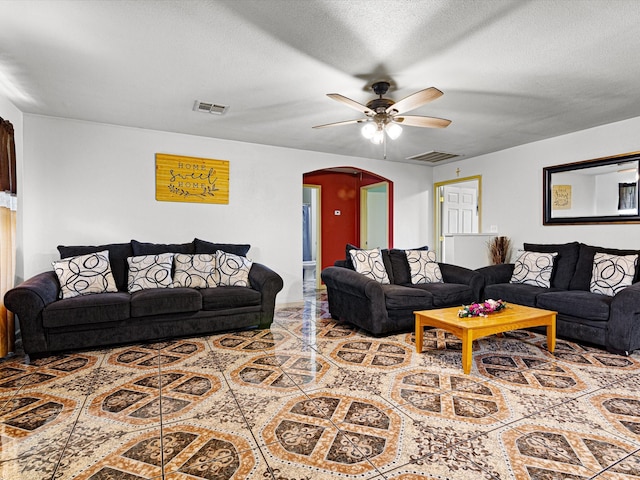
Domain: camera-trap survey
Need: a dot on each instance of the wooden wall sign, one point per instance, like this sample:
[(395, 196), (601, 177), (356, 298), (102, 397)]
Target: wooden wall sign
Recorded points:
[(191, 179), (561, 197)]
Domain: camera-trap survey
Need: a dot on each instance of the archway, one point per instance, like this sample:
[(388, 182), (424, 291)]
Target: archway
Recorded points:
[(340, 214)]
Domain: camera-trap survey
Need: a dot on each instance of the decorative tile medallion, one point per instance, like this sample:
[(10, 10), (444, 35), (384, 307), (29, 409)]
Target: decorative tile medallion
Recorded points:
[(15, 375), (27, 414), (311, 311), (152, 355), (185, 451), (269, 371), (251, 340), (454, 452), (325, 329), (584, 356), (622, 411), (372, 353), (412, 476), (304, 431), (526, 371), (138, 402), (421, 391), (437, 339), (541, 453)]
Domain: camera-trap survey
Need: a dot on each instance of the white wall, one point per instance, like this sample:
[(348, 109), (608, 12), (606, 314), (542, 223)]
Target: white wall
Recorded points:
[(512, 185), (88, 183)]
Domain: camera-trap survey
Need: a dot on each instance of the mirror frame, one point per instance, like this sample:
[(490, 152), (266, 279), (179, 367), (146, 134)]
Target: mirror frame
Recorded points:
[(547, 172)]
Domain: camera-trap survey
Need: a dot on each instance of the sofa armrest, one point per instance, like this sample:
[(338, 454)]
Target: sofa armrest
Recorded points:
[(351, 282), (500, 273), (465, 276), (268, 283), (27, 301), (623, 327), (356, 299)]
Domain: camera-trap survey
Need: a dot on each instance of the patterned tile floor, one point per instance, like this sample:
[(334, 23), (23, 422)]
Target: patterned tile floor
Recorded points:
[(312, 399)]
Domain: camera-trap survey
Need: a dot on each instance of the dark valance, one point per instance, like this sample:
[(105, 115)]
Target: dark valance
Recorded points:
[(7, 157)]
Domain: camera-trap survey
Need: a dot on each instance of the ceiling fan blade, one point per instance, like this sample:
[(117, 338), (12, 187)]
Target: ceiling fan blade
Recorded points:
[(415, 100), (351, 103), (417, 121), (346, 122)]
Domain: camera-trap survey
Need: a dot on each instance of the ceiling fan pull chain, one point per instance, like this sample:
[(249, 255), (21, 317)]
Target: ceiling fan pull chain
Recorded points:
[(384, 146)]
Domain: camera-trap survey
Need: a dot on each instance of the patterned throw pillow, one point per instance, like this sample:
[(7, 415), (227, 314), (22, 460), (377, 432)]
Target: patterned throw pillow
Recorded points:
[(369, 263), (85, 274), (533, 268), (194, 271), (424, 266), (149, 271), (612, 273), (232, 270)]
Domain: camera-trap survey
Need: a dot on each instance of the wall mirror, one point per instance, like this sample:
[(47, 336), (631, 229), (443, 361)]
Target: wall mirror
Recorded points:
[(603, 190)]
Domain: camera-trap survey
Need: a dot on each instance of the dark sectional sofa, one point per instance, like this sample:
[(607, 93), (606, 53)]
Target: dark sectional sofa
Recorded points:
[(386, 308), (612, 322), (51, 324)]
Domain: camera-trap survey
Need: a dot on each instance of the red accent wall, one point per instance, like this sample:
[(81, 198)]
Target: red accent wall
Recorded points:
[(341, 191)]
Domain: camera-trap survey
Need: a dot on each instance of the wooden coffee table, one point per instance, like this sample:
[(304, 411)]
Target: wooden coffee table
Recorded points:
[(513, 317)]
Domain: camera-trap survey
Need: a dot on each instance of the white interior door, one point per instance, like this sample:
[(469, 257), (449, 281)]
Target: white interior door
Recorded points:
[(460, 210)]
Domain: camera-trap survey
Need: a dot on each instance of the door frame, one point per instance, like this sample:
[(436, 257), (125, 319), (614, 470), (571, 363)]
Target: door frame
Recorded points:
[(318, 227), (364, 217), (438, 238)]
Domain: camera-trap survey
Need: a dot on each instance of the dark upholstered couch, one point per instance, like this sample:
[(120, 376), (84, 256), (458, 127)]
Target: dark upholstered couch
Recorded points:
[(383, 309), (50, 324), (612, 322)]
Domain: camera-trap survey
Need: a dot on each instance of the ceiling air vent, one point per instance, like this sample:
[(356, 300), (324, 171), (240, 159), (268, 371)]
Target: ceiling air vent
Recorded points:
[(433, 157), (207, 107)]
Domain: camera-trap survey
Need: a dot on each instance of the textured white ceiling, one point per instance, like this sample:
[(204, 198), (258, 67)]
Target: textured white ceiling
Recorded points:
[(512, 72)]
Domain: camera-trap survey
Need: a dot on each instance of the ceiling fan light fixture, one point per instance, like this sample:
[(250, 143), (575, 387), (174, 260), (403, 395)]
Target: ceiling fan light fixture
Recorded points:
[(378, 137), (393, 130), (368, 130)]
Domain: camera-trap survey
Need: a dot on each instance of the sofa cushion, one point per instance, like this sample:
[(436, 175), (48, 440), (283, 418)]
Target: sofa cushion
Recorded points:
[(576, 303), (423, 266), (143, 248), (584, 268), (150, 271), (397, 297), (229, 297), (194, 271), (118, 254), (370, 264), (518, 293), (386, 259), (612, 273), (85, 274), (82, 310), (400, 271), (202, 246), (347, 259), (232, 270), (533, 268), (565, 263), (162, 301), (448, 294)]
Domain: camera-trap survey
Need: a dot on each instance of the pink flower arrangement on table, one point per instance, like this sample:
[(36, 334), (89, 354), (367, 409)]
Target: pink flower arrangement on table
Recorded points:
[(481, 309)]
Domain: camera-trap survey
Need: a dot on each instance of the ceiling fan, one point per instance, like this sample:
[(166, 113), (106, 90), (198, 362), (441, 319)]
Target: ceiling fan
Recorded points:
[(383, 115)]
